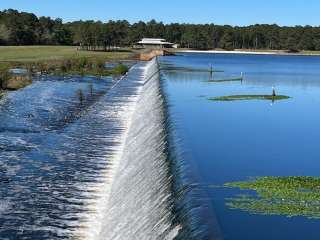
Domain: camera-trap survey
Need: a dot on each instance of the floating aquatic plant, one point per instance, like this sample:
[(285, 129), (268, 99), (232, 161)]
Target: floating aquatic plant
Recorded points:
[(249, 97), (238, 79), (187, 69), (287, 196)]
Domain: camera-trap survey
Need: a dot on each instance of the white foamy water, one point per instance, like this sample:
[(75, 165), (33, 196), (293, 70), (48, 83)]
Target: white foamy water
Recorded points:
[(92, 170), (134, 200)]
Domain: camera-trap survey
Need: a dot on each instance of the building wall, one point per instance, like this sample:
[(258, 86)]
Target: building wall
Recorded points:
[(152, 46)]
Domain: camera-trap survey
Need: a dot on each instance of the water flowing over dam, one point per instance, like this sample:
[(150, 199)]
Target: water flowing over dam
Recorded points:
[(140, 202), (137, 201), (142, 157), (94, 169)]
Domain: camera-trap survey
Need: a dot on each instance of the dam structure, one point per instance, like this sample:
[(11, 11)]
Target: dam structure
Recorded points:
[(99, 169), (137, 202)]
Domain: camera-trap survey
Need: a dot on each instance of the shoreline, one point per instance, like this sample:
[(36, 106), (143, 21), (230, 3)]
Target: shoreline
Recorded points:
[(248, 52)]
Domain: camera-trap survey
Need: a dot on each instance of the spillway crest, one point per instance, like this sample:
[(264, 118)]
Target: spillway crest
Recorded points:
[(139, 202)]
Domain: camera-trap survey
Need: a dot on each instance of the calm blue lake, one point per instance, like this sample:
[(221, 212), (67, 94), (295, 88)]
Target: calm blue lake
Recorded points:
[(235, 141)]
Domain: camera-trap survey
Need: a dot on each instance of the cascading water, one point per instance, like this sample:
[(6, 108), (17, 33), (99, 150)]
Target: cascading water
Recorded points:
[(56, 153), (47, 157), (140, 204), (100, 169)]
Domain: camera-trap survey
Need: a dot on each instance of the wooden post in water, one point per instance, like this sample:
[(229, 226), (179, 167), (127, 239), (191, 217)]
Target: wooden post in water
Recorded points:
[(80, 96), (273, 92), (211, 72), (241, 77), (91, 89)]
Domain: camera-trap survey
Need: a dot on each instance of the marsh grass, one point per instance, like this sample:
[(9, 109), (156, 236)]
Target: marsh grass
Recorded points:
[(239, 79), (5, 75), (94, 66), (79, 66), (25, 54), (120, 69), (58, 60)]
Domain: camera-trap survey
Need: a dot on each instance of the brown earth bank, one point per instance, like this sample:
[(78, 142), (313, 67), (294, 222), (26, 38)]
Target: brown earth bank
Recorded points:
[(148, 55), (17, 82)]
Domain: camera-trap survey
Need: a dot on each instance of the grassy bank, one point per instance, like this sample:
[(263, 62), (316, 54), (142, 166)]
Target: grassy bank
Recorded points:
[(52, 53), (249, 97), (57, 60)]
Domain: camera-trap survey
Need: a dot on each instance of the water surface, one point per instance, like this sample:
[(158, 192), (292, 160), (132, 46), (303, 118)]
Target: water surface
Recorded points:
[(52, 148), (234, 141)]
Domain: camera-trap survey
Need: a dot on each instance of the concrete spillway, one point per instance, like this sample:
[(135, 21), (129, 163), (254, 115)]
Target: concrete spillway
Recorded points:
[(136, 201)]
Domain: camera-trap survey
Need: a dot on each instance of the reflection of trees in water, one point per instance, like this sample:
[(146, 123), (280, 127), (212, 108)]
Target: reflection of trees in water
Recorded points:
[(191, 76), (288, 196), (295, 80), (250, 79)]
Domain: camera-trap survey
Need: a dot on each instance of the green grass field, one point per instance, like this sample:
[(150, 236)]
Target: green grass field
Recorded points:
[(58, 60), (51, 53)]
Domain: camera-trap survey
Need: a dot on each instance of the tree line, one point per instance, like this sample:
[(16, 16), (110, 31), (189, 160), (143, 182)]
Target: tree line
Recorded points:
[(21, 28)]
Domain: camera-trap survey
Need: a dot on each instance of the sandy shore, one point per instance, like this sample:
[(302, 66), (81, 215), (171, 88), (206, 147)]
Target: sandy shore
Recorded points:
[(252, 52)]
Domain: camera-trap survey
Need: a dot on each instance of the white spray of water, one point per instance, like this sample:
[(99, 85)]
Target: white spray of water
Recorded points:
[(134, 199)]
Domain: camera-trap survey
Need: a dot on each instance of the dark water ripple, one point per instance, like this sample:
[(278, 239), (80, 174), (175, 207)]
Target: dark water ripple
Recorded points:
[(52, 150)]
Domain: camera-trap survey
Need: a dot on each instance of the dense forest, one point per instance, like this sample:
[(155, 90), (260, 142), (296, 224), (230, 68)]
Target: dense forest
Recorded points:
[(20, 28)]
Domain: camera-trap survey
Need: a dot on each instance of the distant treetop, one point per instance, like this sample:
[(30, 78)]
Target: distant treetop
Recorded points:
[(21, 28)]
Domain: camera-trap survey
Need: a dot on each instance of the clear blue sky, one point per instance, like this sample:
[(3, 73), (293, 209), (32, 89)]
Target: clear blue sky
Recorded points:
[(233, 12)]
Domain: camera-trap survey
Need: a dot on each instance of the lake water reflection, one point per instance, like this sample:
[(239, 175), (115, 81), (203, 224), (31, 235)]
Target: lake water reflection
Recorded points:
[(235, 141)]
